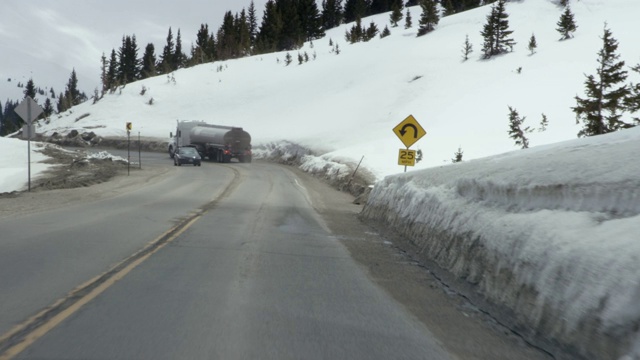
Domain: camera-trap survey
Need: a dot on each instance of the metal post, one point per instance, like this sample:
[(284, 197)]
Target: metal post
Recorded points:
[(29, 144), (354, 172), (139, 151), (128, 152)]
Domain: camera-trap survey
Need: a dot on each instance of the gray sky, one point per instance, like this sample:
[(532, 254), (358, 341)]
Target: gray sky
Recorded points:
[(33, 31)]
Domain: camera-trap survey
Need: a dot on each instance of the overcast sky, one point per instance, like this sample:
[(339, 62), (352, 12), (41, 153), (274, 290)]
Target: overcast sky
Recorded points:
[(31, 32)]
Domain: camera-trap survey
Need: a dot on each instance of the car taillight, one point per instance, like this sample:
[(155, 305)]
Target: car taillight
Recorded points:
[(227, 152)]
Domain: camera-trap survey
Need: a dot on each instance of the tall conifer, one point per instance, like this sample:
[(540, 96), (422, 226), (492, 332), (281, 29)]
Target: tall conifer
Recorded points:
[(601, 110)]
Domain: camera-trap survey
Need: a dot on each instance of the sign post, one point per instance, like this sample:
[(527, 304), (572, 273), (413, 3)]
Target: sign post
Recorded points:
[(409, 131), (129, 127), (29, 110)]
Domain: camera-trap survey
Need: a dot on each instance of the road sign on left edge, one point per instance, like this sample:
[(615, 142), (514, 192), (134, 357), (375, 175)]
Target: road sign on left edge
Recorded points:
[(28, 110)]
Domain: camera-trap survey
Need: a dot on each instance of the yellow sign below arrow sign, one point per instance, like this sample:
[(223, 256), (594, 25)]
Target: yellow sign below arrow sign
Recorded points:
[(409, 131), (407, 157)]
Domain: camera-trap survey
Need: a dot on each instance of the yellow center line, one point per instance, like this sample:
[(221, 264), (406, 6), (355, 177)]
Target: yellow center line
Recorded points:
[(51, 323)]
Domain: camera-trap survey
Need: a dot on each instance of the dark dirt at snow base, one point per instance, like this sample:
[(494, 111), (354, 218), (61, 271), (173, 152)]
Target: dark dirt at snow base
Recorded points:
[(74, 170)]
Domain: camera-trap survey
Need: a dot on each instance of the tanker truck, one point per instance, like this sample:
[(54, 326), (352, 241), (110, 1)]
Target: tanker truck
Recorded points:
[(214, 142)]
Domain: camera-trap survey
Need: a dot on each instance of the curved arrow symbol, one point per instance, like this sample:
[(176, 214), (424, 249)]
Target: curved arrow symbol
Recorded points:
[(404, 130)]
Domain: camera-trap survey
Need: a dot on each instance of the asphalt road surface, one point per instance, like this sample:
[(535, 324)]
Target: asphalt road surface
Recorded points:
[(223, 261)]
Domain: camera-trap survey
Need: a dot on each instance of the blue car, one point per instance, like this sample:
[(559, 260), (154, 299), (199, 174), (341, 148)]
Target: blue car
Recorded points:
[(187, 155)]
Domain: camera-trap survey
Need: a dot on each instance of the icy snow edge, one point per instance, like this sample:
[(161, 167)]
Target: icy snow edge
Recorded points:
[(555, 242)]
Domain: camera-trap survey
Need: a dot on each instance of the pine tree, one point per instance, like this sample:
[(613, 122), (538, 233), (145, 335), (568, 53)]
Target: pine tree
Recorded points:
[(544, 123), (164, 66), (270, 29), (30, 90), (467, 49), (429, 17), (179, 59), (112, 72), (205, 47), (515, 129), (48, 108), (253, 23), (104, 67), (371, 32), (457, 156), (633, 100), (396, 13), (386, 32), (533, 44), (408, 21), (288, 59), (496, 31), (566, 24), (354, 9), (310, 20), (128, 64), (148, 62), (331, 13), (601, 111), (73, 95)]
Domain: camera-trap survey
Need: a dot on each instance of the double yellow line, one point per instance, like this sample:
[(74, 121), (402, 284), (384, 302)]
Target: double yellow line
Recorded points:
[(24, 335)]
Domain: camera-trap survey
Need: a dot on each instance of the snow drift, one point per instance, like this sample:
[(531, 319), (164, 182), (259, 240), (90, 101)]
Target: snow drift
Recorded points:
[(550, 234)]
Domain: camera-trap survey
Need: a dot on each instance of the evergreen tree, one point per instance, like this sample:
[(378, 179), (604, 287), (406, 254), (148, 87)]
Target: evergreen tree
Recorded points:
[(73, 95), (288, 59), (11, 122), (515, 129), (204, 50), (331, 13), (104, 67), (128, 65), (253, 23), (179, 58), (396, 13), (164, 66), (310, 20), (30, 90), (601, 111), (270, 29), (467, 49), (227, 46), (148, 62), (243, 34), (429, 18), (566, 24), (408, 22), (63, 103), (457, 156), (496, 31), (356, 34), (564, 3), (385, 32), (382, 6), (533, 44), (544, 123), (371, 32), (354, 9), (292, 35), (112, 72), (48, 108), (633, 100)]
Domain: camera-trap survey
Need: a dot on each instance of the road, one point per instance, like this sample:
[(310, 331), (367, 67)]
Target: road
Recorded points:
[(223, 261)]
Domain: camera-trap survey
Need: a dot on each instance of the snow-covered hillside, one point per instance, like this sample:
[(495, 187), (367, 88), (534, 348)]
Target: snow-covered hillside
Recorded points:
[(547, 232)]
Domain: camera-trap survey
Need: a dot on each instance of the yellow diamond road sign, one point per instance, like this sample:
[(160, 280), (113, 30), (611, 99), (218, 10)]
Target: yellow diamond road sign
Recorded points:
[(409, 131)]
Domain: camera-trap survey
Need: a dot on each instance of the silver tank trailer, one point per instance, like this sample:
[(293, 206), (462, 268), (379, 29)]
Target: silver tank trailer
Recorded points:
[(212, 138)]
